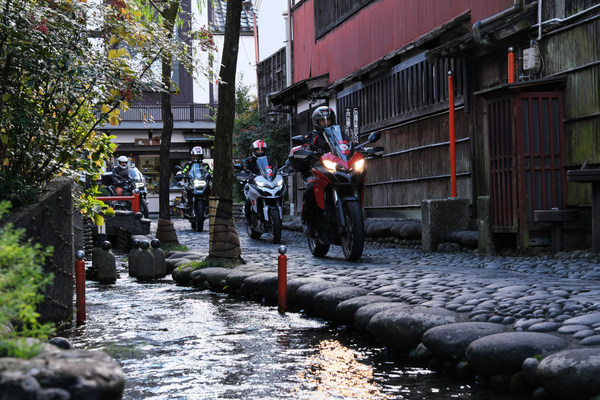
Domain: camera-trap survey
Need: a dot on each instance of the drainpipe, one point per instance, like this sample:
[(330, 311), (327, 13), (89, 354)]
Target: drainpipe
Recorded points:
[(559, 20), (479, 39), (539, 20), (288, 44)]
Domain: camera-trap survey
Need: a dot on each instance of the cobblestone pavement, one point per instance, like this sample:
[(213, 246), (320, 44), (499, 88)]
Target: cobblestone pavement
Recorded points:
[(537, 293)]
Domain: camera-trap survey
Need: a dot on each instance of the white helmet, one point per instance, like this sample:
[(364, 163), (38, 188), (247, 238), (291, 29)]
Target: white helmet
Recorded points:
[(123, 161), (197, 154), (259, 148)]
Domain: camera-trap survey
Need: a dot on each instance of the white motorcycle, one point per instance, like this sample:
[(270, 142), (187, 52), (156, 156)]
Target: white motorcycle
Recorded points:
[(263, 210)]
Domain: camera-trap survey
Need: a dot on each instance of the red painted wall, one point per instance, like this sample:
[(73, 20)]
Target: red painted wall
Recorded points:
[(380, 28)]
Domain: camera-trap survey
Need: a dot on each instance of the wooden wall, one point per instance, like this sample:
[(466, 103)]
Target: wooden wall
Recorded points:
[(416, 165)]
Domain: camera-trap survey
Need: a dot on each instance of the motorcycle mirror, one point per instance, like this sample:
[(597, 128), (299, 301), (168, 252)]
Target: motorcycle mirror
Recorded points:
[(178, 168), (237, 166), (298, 140), (375, 136)]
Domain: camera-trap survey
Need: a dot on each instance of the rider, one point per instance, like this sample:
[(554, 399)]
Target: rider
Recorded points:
[(120, 174), (323, 117), (259, 149), (196, 158)]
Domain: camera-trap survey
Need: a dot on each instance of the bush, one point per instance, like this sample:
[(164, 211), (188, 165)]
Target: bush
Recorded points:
[(21, 281)]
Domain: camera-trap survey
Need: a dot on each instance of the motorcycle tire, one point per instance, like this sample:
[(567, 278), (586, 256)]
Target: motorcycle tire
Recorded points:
[(353, 241), (317, 248), (200, 208), (144, 208), (275, 229)]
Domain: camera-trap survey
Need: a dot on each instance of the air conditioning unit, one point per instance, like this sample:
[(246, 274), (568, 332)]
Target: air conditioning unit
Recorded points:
[(531, 59)]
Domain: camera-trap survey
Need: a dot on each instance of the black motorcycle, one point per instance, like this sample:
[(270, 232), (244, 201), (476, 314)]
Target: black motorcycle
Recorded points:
[(196, 183), (135, 183)]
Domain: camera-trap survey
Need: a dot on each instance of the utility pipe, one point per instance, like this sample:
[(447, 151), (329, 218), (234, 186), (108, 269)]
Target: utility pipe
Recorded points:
[(452, 134), (477, 35)]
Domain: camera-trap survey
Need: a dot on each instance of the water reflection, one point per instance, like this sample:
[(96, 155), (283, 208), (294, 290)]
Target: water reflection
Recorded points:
[(180, 343), (334, 371)]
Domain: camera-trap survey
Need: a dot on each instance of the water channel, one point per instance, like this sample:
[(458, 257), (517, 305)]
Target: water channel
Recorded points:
[(183, 343)]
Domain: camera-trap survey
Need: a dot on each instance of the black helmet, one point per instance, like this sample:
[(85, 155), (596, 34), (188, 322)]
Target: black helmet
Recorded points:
[(323, 117)]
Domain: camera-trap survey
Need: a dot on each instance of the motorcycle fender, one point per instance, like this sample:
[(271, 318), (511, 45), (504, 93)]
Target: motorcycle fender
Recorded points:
[(319, 188), (341, 221), (275, 208)]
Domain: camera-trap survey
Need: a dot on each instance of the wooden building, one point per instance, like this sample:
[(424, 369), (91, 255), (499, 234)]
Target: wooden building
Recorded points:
[(383, 66)]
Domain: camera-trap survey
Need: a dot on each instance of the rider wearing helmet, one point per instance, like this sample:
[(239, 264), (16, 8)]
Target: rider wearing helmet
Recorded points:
[(323, 117), (120, 174), (259, 149), (197, 157)]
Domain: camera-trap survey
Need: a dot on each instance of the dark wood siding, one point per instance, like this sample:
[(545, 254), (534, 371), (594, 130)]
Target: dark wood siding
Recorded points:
[(416, 165)]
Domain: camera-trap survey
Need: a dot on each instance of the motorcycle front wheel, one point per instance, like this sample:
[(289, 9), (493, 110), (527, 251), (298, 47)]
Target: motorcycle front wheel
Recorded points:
[(275, 229), (251, 232), (317, 248), (353, 241), (200, 208)]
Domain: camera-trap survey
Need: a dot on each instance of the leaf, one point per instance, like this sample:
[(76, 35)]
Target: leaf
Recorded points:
[(98, 220), (116, 53)]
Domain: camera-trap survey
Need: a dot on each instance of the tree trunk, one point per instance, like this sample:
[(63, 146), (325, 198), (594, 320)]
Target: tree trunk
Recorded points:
[(224, 240), (169, 15)]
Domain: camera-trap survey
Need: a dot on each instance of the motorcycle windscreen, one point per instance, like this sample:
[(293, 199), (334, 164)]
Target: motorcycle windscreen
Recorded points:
[(338, 142), (196, 171), (267, 170), (135, 174)]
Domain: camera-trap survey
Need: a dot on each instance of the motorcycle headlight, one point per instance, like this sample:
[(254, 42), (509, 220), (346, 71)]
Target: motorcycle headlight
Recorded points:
[(359, 165), (260, 184), (139, 185), (330, 165), (279, 182), (199, 183)]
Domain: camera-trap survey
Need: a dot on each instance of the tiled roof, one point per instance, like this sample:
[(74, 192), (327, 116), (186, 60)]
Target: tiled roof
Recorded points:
[(217, 23)]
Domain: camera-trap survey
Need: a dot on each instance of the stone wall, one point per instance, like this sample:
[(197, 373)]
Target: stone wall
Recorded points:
[(50, 222)]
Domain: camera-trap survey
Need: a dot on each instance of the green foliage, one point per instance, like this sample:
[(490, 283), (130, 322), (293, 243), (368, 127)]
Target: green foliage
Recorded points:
[(166, 247), (68, 67), (15, 190), (21, 281), (204, 264), (248, 128)]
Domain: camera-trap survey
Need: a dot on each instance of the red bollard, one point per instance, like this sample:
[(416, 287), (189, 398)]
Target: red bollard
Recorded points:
[(135, 203), (282, 280), (80, 286), (511, 65)]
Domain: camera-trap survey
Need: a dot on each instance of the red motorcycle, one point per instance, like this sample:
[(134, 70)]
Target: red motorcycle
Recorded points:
[(339, 179)]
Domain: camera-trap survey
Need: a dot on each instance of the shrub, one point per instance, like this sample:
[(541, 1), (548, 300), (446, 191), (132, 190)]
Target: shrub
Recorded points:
[(21, 281)]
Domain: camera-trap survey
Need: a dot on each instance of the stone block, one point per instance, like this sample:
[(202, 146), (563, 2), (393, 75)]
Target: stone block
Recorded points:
[(440, 217)]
